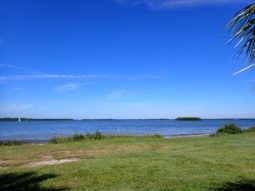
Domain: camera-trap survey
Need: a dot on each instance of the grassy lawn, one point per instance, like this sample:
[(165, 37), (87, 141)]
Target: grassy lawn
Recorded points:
[(134, 163)]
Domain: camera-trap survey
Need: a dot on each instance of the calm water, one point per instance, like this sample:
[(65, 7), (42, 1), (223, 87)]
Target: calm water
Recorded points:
[(44, 130)]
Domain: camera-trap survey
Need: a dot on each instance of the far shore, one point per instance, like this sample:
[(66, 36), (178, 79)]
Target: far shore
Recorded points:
[(70, 119)]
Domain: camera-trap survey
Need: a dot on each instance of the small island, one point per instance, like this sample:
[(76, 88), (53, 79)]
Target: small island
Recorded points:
[(188, 119)]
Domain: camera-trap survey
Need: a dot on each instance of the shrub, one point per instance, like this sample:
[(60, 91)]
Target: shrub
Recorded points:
[(251, 129), (229, 129), (89, 136), (78, 137), (95, 136), (53, 140), (156, 136), (98, 136), (56, 140), (9, 143)]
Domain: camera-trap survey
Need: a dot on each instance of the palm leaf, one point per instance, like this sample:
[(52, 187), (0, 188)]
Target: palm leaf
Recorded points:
[(242, 28), (247, 67)]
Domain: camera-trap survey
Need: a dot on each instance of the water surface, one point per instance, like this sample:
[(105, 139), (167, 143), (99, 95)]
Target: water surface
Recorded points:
[(44, 130)]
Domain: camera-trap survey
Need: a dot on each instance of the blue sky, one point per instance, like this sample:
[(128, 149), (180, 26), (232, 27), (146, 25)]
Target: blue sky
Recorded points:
[(121, 59)]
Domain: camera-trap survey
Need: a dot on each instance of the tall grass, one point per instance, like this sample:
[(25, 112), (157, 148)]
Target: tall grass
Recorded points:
[(9, 143), (78, 137)]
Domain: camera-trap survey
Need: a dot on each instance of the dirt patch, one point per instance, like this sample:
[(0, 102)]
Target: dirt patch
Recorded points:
[(5, 161), (51, 162), (4, 164), (156, 147), (3, 168)]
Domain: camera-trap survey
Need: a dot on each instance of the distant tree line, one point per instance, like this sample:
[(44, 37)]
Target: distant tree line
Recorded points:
[(30, 119), (188, 118)]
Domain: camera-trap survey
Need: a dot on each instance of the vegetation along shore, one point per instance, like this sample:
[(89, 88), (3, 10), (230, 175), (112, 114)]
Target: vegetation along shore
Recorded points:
[(224, 161)]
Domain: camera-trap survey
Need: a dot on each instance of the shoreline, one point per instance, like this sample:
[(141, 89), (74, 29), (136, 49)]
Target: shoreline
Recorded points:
[(16, 119), (40, 142)]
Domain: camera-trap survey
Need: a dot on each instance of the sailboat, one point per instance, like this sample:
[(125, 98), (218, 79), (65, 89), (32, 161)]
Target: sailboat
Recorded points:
[(19, 120)]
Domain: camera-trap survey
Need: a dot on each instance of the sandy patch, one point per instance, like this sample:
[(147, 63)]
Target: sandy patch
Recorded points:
[(3, 168), (51, 162), (5, 161)]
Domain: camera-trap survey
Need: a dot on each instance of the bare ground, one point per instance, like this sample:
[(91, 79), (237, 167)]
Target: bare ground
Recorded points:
[(51, 162)]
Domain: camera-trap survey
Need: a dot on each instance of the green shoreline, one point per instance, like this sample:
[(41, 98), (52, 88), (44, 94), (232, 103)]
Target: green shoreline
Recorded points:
[(132, 163)]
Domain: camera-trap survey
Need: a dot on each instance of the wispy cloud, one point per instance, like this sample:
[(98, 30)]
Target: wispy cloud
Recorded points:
[(84, 77), (17, 107), (161, 4), (116, 95), (20, 68), (52, 76), (17, 89), (34, 75), (69, 87)]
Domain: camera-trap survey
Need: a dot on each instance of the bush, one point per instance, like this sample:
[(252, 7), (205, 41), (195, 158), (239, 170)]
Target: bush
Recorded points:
[(251, 129), (78, 137), (53, 140), (156, 136), (98, 136), (56, 140), (229, 129), (95, 136), (9, 143)]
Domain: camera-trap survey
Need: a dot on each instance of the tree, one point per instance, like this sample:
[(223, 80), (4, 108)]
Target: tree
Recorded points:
[(242, 27)]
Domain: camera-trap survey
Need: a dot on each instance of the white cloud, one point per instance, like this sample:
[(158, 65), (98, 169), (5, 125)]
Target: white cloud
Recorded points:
[(82, 77), (116, 95), (69, 87), (52, 76), (17, 89), (158, 4), (20, 68), (33, 75), (14, 107)]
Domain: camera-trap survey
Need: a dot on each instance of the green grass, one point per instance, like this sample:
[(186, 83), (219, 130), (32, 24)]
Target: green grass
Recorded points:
[(134, 163)]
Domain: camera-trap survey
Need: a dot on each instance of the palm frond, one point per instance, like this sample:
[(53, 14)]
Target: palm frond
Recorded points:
[(242, 28), (246, 68)]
